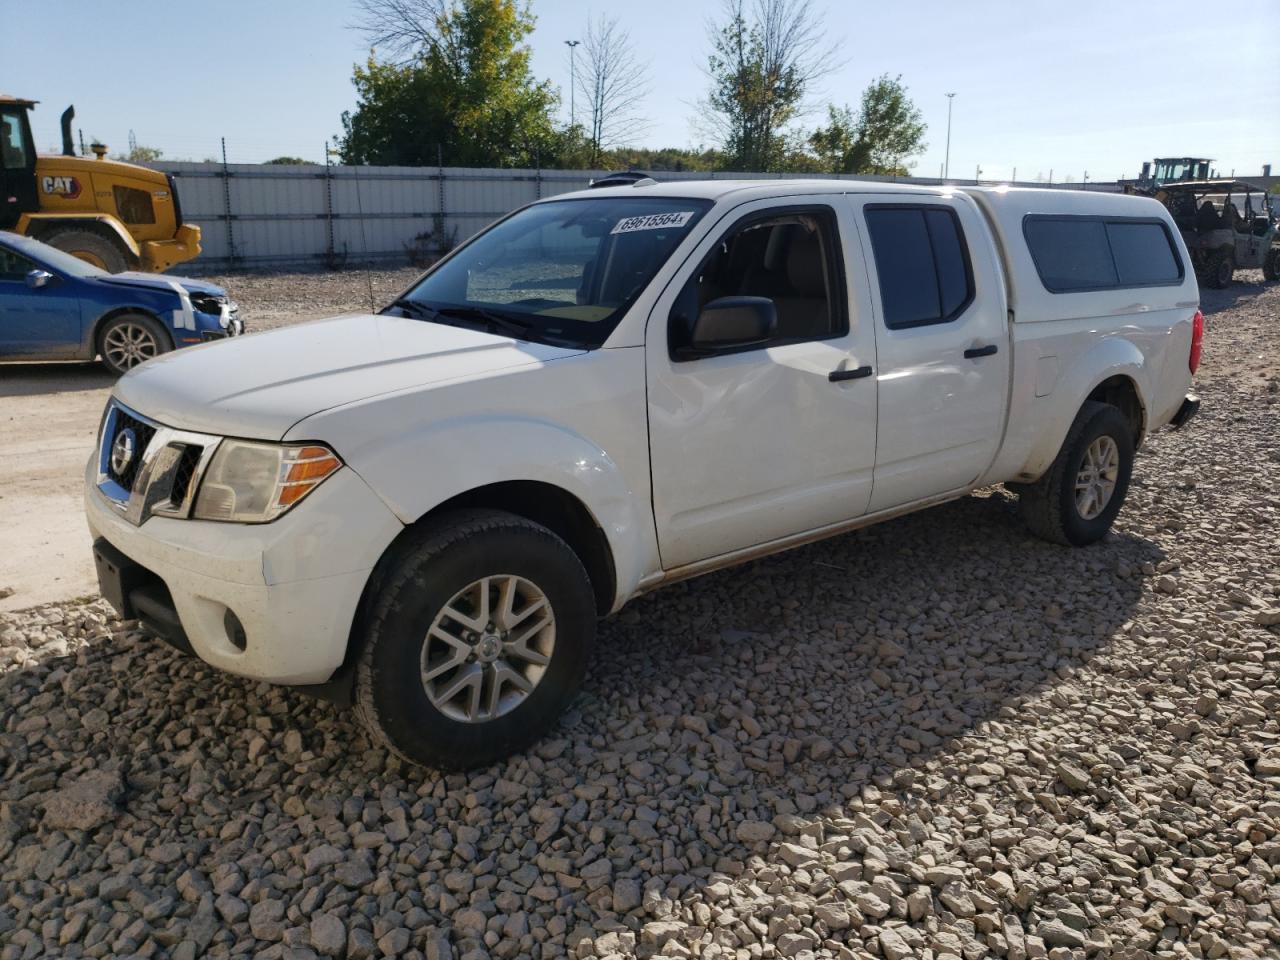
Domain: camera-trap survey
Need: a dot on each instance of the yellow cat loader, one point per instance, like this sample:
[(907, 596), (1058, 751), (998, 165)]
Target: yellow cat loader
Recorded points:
[(118, 216)]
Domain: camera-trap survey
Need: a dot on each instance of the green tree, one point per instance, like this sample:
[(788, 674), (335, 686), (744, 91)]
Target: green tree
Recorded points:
[(836, 146), (889, 126), (293, 161), (465, 95), (886, 133), (763, 61), (663, 158)]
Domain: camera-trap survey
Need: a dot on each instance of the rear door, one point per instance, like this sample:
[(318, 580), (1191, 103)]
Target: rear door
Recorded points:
[(942, 345), (39, 322)]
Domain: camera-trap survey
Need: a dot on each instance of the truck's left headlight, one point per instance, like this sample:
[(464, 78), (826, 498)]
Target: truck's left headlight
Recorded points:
[(256, 482)]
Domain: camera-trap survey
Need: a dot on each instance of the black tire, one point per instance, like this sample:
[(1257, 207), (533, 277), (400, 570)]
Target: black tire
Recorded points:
[(1049, 507), (137, 328), (92, 247), (404, 602), (1271, 264), (1221, 270)]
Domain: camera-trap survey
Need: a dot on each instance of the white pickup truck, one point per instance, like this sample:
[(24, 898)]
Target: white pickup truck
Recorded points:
[(425, 511)]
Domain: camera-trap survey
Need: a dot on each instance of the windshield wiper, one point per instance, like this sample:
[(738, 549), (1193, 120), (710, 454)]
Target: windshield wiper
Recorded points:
[(498, 323), (493, 321), (419, 311)]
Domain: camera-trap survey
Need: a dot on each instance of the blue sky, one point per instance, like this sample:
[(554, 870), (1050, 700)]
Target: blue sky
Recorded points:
[(1068, 87)]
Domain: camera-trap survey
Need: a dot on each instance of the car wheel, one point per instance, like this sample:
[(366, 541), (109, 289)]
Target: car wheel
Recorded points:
[(92, 248), (130, 339), (475, 640), (1221, 269), (1077, 500)]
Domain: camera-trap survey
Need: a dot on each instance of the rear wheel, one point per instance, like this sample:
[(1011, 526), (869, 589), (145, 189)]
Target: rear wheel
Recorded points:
[(130, 339), (91, 247), (1271, 265), (1222, 268), (476, 641), (1077, 500)]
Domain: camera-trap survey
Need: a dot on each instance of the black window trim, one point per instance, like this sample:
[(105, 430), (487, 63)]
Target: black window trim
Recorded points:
[(1104, 220), (835, 277), (971, 292)]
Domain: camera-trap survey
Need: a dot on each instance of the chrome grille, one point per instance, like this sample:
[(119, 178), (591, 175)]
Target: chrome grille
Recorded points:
[(162, 474), (142, 434)]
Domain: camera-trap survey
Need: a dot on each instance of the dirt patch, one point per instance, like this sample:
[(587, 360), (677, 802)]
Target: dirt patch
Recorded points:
[(49, 416)]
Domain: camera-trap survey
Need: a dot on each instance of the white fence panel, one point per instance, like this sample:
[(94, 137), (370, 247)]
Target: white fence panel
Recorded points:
[(263, 215)]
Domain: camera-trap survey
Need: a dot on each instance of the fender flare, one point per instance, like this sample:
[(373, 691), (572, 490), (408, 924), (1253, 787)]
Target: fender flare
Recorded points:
[(98, 220), (412, 477), (1110, 357)]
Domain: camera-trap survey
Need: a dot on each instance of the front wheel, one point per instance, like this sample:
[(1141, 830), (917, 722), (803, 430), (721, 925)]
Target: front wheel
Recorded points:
[(130, 339), (475, 642), (1077, 500)]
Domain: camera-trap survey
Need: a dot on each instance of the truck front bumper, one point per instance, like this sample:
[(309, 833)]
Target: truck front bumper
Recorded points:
[(272, 601), (160, 255), (1190, 407)]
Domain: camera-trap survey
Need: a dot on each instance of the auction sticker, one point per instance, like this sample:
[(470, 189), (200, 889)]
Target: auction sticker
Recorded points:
[(654, 221)]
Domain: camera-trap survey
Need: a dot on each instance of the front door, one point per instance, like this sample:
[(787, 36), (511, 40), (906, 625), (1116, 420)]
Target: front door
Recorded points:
[(39, 322), (763, 442), (942, 342), (17, 167)]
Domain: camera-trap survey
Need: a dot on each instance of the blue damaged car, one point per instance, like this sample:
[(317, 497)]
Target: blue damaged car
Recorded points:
[(55, 307)]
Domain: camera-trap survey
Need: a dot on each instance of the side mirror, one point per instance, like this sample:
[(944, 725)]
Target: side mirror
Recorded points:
[(729, 322), (39, 278)]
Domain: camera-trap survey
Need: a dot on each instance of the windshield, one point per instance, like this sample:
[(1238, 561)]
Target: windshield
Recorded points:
[(561, 271)]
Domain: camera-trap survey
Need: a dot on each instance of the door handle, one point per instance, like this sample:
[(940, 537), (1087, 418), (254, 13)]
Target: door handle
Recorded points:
[(857, 373), (974, 352)]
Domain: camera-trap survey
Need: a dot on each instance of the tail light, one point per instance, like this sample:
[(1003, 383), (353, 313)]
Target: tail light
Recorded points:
[(1197, 341)]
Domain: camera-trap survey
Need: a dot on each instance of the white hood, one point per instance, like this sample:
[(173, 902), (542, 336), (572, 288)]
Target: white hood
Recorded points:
[(259, 386)]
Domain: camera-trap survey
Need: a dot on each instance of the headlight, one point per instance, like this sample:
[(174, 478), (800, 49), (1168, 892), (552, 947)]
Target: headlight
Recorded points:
[(256, 482)]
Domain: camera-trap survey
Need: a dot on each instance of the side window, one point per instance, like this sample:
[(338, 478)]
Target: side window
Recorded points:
[(14, 266), (922, 263), (1071, 254), (15, 154), (791, 258), (1143, 254), (1075, 254)]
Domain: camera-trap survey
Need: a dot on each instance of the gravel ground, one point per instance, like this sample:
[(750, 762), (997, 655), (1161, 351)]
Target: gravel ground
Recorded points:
[(933, 738), (269, 300)]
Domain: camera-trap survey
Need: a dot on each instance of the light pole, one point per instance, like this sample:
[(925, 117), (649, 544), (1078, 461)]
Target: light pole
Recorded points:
[(573, 82), (946, 167)]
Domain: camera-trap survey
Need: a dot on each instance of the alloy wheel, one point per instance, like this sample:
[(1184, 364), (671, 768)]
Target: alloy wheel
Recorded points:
[(486, 651), (128, 344), (1096, 478)]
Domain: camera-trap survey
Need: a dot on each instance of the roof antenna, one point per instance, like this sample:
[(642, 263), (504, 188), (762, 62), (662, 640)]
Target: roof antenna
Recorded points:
[(364, 243)]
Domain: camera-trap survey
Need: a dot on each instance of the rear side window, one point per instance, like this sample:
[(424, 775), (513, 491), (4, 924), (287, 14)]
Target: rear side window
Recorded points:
[(922, 264), (1142, 253), (1075, 254)]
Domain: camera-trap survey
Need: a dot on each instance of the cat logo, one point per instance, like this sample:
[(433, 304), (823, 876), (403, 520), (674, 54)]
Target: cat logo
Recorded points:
[(68, 188)]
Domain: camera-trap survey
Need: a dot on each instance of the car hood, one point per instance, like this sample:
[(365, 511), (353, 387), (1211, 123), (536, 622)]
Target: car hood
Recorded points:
[(155, 281), (258, 386)]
